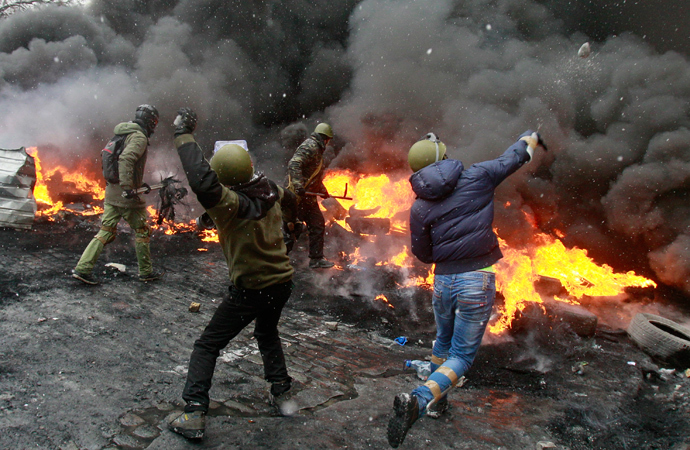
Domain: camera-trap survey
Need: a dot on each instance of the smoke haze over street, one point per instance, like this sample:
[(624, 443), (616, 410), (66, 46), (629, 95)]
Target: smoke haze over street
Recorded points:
[(478, 73)]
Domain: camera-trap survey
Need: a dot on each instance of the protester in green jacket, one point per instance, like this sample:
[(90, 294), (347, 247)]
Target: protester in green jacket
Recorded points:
[(122, 203), (248, 210)]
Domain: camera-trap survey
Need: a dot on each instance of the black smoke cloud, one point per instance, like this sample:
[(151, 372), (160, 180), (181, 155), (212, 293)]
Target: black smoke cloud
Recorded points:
[(478, 73)]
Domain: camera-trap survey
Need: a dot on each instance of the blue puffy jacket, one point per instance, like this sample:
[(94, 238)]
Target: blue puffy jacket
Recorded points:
[(451, 220)]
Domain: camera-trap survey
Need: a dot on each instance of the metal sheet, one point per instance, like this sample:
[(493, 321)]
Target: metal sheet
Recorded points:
[(17, 178)]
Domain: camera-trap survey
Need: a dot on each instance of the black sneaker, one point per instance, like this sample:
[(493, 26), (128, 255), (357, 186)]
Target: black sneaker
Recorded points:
[(320, 263), (405, 413), (190, 425), (154, 275), (435, 410), (85, 278)]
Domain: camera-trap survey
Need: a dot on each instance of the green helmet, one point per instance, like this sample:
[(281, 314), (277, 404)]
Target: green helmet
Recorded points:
[(232, 164), (325, 129), (426, 151)]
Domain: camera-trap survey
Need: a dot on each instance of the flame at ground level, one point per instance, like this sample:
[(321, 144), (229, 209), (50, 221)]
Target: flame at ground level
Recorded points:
[(577, 272), (76, 180), (515, 273)]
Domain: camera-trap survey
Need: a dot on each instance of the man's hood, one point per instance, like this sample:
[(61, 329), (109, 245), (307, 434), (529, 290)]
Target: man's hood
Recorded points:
[(128, 127), (258, 187), (436, 181)]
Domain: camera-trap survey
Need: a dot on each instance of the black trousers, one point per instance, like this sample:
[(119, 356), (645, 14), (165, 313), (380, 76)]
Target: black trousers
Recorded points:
[(238, 309), (308, 211)]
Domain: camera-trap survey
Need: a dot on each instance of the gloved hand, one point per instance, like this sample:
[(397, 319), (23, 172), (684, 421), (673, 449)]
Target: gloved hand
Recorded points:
[(129, 193), (297, 229), (185, 122), (324, 194), (147, 187), (301, 192)]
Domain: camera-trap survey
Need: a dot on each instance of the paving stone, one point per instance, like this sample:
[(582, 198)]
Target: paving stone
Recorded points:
[(146, 432), (127, 441), (131, 420), (242, 408)]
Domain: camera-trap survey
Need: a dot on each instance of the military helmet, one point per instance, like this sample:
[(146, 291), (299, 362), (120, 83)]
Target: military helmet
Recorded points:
[(148, 115), (325, 129), (232, 164), (426, 151)]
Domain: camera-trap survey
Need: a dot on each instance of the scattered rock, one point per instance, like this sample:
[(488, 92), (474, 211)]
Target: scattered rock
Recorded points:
[(545, 444)]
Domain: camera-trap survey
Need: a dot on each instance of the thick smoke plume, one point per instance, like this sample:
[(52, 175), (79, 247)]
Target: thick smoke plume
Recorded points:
[(478, 73)]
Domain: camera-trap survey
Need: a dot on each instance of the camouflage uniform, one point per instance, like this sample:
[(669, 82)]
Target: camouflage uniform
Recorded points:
[(305, 170)]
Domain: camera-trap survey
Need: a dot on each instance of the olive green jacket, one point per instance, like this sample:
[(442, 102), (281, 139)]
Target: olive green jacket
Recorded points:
[(249, 225), (131, 165)]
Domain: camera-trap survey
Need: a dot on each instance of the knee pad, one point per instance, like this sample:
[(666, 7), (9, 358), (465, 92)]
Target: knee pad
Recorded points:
[(107, 238), (142, 234)]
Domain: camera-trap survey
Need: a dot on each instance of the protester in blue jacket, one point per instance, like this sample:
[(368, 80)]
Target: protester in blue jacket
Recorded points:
[(451, 222)]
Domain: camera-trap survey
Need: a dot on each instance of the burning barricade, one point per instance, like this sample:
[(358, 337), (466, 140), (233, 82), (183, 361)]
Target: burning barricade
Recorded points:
[(375, 223), (369, 223)]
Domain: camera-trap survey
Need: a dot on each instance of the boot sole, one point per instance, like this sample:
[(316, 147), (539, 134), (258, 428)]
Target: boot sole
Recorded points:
[(150, 278), (189, 434), (400, 423), (84, 280)]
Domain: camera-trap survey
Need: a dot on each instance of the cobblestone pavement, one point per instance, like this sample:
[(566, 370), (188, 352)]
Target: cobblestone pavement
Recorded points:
[(103, 367)]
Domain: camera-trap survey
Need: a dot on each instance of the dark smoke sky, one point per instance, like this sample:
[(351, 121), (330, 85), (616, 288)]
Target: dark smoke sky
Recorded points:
[(616, 178)]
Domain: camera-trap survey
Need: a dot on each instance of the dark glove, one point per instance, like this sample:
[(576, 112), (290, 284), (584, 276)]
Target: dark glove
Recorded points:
[(147, 187), (324, 194), (185, 122), (129, 193), (301, 192), (181, 193), (297, 229)]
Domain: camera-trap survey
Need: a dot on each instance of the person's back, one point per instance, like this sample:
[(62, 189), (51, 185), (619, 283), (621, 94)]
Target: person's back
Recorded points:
[(451, 227), (122, 202), (247, 210), (457, 205), (254, 249), (132, 163)]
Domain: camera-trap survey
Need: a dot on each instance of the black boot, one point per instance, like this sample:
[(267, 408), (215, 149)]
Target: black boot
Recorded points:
[(405, 413), (190, 425)]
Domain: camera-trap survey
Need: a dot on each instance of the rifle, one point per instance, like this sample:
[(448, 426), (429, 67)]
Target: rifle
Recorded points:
[(163, 184), (344, 196)]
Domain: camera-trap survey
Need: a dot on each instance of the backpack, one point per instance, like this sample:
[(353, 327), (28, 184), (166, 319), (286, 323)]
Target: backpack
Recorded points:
[(110, 156)]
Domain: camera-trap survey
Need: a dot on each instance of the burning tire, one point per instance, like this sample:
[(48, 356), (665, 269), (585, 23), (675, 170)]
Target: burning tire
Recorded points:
[(661, 338)]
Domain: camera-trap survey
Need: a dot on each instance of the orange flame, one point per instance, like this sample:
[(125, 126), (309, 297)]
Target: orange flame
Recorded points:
[(515, 273), (384, 300), (209, 236), (370, 192), (577, 272), (80, 182)]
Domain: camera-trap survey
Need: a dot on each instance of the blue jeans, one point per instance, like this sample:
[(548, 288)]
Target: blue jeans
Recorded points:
[(462, 307)]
